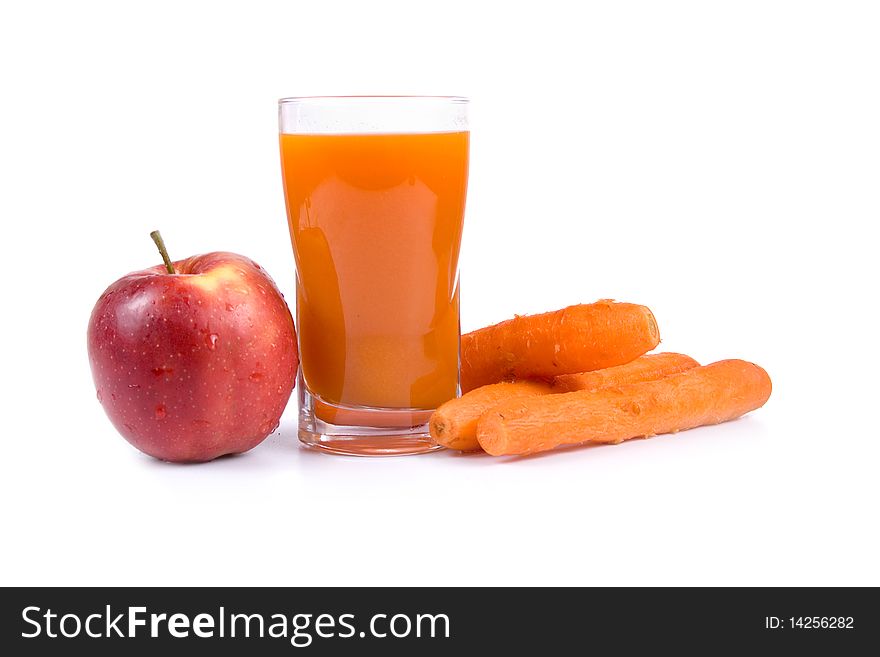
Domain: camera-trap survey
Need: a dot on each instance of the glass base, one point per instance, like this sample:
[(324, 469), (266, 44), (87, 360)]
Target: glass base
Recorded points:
[(362, 430)]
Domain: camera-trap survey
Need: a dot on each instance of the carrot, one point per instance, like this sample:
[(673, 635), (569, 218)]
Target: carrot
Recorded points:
[(644, 368), (702, 395), (575, 339), (454, 424)]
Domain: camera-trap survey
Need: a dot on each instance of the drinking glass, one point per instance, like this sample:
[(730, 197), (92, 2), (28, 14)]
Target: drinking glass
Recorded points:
[(375, 190)]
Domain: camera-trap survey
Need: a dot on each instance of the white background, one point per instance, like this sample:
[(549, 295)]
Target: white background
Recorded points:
[(718, 162)]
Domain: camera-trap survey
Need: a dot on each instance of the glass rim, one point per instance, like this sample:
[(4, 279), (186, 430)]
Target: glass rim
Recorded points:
[(294, 100)]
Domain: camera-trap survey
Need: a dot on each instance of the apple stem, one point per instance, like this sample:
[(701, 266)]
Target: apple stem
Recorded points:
[(157, 238)]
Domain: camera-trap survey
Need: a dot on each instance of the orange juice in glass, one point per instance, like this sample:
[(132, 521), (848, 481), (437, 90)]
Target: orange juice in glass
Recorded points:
[(375, 189)]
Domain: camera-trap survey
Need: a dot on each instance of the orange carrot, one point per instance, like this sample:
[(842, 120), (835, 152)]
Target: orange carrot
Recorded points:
[(702, 395), (575, 339), (644, 368), (454, 424)]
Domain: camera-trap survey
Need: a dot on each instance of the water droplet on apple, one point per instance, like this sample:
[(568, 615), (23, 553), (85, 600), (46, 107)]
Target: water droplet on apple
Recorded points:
[(211, 340), (161, 412), (256, 377), (268, 427)]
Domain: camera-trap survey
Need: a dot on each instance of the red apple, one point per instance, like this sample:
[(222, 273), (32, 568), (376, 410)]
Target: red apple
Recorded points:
[(195, 364)]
